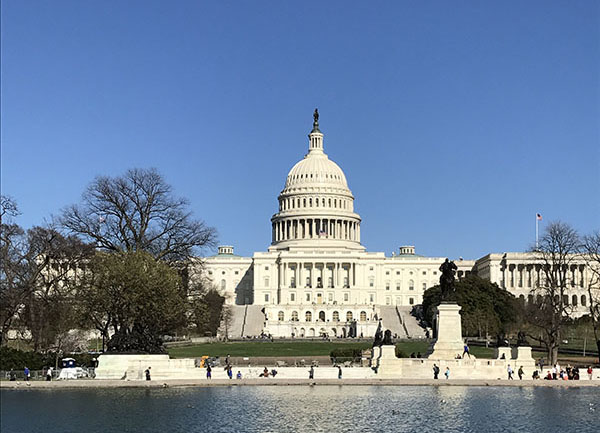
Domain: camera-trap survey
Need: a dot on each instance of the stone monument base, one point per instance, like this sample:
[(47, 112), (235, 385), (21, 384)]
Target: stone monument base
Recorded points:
[(385, 362), (449, 343)]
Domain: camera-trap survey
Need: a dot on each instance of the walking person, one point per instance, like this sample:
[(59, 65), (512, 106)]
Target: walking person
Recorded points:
[(510, 372), (27, 374), (339, 372), (147, 372), (208, 372), (541, 364), (49, 374), (520, 373), (229, 371), (447, 373), (590, 372), (466, 351), (311, 372), (436, 371)]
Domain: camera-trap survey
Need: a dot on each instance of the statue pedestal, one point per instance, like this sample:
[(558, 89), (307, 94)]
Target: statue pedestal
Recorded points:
[(449, 341), (384, 359)]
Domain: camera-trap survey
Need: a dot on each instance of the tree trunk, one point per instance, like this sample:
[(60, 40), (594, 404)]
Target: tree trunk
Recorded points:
[(553, 354)]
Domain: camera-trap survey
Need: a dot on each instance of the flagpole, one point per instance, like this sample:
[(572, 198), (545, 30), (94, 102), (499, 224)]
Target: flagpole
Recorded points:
[(536, 231)]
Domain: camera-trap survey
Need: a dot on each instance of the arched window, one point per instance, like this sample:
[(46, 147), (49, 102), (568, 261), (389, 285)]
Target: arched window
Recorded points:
[(566, 299), (522, 299), (308, 316), (349, 316), (574, 300), (322, 316), (280, 316), (363, 316), (411, 301), (336, 316), (294, 316), (530, 299), (583, 301), (223, 284), (411, 285)]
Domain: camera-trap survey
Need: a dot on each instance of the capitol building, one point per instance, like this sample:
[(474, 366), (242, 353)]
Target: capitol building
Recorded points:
[(317, 279)]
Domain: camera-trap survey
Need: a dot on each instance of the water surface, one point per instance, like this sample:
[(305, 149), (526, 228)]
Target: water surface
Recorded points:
[(302, 409)]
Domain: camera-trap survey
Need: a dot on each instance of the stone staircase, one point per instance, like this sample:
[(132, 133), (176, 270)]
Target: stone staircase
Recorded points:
[(410, 322), (254, 322), (390, 320), (236, 323)]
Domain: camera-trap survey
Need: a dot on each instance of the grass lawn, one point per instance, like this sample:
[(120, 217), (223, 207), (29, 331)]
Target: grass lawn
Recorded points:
[(286, 348)]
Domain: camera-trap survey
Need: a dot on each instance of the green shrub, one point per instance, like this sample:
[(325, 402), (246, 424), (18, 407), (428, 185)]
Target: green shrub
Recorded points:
[(345, 353), (16, 359)]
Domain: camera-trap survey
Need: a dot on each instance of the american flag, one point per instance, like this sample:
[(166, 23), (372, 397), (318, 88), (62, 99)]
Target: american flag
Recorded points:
[(538, 216)]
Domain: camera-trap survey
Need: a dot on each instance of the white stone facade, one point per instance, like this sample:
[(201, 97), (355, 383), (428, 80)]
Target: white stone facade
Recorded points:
[(316, 277)]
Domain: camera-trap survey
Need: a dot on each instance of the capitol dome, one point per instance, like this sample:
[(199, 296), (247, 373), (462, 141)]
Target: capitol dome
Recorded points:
[(316, 207), (316, 170)]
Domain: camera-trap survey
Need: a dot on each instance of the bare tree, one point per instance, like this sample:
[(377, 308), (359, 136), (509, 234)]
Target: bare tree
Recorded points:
[(558, 249), (591, 250), (59, 263), (226, 320), (137, 212), (35, 266), (14, 276)]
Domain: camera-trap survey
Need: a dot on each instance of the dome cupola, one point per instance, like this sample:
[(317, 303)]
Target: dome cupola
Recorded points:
[(316, 207)]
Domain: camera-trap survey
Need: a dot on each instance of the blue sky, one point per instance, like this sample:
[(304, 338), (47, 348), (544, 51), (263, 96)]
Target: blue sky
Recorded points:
[(455, 122)]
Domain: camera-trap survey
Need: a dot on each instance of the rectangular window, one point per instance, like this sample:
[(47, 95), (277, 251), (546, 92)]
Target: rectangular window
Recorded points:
[(330, 297), (387, 286), (424, 286), (346, 297), (371, 297), (292, 297), (266, 297), (397, 286), (308, 297)]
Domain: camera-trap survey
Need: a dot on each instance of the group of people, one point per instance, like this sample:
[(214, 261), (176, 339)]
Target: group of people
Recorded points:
[(228, 368), (266, 373), (567, 373), (47, 373), (510, 372), (436, 372)]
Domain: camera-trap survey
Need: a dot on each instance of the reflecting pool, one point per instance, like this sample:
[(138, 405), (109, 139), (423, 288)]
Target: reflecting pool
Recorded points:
[(302, 409)]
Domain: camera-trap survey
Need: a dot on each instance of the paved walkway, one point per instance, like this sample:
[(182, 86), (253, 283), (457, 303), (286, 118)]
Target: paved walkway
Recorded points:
[(90, 383)]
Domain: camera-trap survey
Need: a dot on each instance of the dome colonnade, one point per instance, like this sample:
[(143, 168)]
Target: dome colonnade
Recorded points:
[(316, 203)]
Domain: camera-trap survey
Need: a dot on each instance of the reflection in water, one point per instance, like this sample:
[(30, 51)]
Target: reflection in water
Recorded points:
[(302, 408)]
